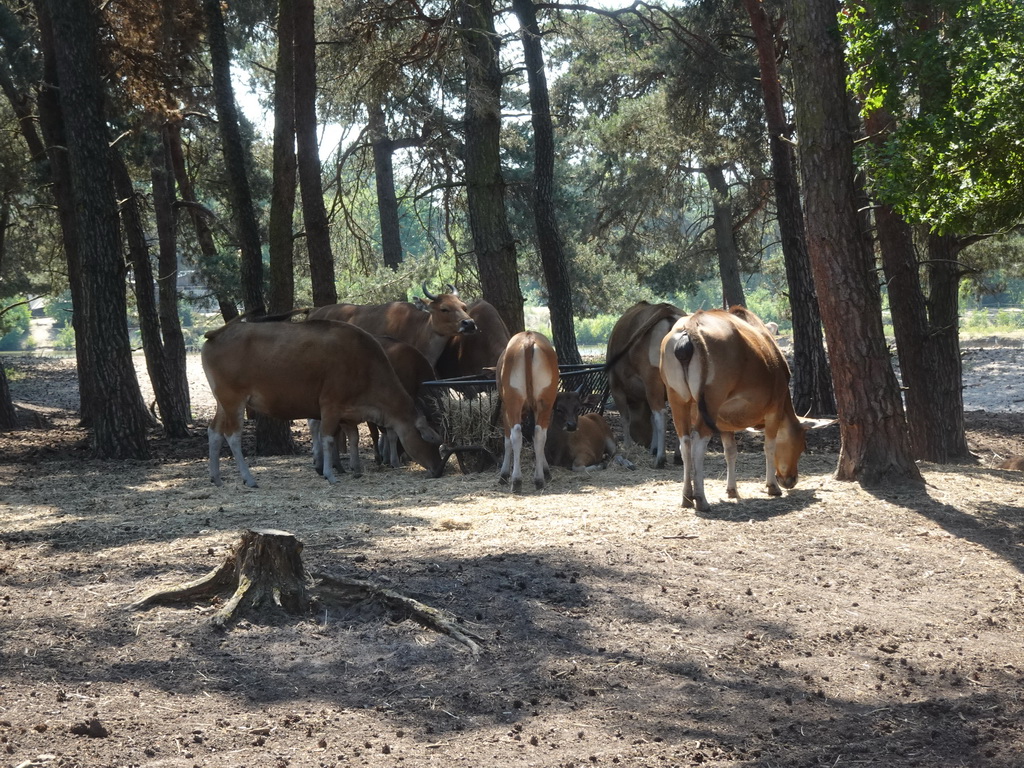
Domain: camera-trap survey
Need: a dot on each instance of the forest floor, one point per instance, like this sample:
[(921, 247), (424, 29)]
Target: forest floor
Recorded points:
[(834, 626)]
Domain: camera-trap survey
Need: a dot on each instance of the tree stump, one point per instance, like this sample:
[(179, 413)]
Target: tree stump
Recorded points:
[(264, 570)]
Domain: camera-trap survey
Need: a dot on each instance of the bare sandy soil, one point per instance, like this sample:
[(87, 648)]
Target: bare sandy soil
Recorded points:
[(833, 626)]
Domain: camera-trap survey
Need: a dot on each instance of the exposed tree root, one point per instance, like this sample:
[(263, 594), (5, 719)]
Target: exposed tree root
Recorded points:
[(265, 570), (350, 590)]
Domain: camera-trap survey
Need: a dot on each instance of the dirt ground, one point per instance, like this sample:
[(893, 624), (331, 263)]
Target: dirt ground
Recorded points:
[(834, 626)]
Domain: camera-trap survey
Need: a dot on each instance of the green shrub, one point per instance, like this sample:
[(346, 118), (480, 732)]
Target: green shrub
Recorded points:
[(15, 325), (65, 338)]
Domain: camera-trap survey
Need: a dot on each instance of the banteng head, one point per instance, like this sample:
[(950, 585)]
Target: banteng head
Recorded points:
[(566, 411), (448, 316)]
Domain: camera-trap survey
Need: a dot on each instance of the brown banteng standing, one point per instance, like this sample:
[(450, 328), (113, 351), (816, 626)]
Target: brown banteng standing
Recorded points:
[(473, 354), (324, 370), (633, 359), (527, 375), (580, 441), (412, 370), (427, 327), (724, 372)]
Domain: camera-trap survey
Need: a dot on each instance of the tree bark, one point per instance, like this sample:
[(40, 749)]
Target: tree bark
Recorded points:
[(725, 239), (234, 160), (485, 188), (120, 420), (384, 174), (553, 257), (173, 410), (281, 240), (51, 123), (204, 234), (811, 378), (875, 445), (945, 382), (931, 384), (177, 413), (314, 214)]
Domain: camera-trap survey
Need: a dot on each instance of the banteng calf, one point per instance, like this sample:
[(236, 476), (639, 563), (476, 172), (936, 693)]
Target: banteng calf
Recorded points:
[(580, 441)]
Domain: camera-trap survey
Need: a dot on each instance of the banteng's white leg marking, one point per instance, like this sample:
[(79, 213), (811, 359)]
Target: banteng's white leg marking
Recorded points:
[(216, 443), (540, 436), (517, 449), (729, 444), (700, 450)]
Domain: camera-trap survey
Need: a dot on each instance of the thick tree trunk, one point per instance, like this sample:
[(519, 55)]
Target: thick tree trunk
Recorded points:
[(177, 414), (812, 380), (173, 410), (51, 122), (8, 417), (553, 256), (281, 240), (384, 174), (120, 420), (234, 160), (204, 234), (314, 214), (932, 384), (946, 380), (485, 189), (875, 445), (725, 239)]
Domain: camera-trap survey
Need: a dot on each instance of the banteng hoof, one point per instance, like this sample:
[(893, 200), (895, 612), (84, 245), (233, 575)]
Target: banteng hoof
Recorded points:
[(774, 490), (733, 493), (517, 486), (539, 484)]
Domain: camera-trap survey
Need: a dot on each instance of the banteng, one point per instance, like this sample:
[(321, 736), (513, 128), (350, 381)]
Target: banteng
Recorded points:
[(427, 327), (634, 354), (329, 371), (580, 441), (527, 374), (724, 373)]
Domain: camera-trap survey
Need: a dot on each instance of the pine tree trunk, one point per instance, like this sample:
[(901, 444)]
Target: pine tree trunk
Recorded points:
[(485, 188), (875, 444), (553, 256), (946, 379), (51, 122), (177, 412), (173, 409), (120, 419), (314, 214), (282, 196), (234, 160), (204, 235), (812, 379), (8, 416), (725, 239), (387, 200)]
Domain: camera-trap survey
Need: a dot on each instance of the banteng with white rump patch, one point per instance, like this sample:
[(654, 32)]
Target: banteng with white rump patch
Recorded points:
[(527, 375), (324, 370), (725, 373)]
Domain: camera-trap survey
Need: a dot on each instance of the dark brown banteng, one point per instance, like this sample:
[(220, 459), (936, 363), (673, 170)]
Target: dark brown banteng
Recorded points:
[(633, 359), (580, 441), (527, 375), (412, 370), (445, 316), (329, 371), (724, 373), (473, 354)]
